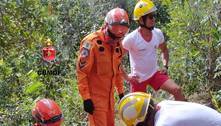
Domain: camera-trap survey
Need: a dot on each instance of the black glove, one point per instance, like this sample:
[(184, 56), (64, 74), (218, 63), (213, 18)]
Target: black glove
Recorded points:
[(121, 95), (88, 106)]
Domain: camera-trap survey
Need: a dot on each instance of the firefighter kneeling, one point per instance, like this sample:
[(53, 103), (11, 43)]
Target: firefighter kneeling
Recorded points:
[(138, 109)]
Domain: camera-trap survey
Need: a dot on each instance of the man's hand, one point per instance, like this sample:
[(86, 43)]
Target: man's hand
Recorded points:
[(164, 70), (133, 79), (88, 106)]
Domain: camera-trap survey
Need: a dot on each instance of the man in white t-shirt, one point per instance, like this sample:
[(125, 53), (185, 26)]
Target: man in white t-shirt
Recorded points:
[(142, 45), (137, 109)]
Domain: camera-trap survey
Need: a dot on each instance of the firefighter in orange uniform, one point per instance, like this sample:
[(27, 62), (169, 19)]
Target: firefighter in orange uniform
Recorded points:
[(99, 68)]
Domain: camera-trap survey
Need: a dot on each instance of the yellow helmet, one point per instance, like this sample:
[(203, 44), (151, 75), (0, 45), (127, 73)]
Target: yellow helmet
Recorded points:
[(142, 8), (133, 107)]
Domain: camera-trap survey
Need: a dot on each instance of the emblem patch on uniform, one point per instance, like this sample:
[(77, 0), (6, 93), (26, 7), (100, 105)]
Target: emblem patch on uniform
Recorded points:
[(84, 53), (83, 58), (86, 45)]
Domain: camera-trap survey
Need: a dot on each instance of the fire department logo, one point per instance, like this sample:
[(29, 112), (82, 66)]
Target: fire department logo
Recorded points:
[(48, 52)]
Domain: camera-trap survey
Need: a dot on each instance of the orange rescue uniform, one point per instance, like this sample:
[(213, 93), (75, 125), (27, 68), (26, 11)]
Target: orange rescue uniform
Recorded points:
[(98, 72)]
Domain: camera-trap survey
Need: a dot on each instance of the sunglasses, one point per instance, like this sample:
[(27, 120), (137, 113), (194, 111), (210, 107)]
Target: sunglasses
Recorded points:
[(123, 23)]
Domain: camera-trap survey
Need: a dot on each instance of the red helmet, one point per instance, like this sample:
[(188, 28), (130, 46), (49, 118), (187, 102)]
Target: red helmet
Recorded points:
[(47, 113), (117, 16)]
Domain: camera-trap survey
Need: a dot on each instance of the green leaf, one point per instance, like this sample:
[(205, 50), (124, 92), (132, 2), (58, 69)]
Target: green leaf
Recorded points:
[(8, 71), (1, 62), (32, 74), (33, 87)]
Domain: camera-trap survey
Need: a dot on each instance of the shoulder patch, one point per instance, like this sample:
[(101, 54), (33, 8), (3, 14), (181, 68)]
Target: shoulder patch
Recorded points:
[(86, 45), (84, 53)]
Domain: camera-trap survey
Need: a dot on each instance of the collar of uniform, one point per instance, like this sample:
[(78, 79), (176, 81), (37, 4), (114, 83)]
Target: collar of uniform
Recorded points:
[(105, 35), (105, 38), (101, 34)]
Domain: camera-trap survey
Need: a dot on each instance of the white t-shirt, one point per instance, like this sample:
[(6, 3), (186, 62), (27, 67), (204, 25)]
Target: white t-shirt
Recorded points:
[(177, 113), (143, 54)]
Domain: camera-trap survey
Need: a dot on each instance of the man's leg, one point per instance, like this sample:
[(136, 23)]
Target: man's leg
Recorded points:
[(98, 118), (162, 81), (138, 87), (171, 87), (110, 118)]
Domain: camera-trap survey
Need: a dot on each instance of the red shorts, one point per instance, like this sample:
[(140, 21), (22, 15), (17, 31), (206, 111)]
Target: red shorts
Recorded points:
[(156, 81)]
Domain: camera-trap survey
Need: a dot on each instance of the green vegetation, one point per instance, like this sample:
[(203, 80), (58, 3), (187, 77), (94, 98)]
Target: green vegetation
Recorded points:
[(193, 30)]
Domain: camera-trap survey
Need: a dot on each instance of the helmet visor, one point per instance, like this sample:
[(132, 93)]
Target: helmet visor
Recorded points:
[(53, 119), (123, 23)]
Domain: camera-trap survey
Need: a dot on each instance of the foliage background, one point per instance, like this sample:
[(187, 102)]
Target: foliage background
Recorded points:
[(192, 29)]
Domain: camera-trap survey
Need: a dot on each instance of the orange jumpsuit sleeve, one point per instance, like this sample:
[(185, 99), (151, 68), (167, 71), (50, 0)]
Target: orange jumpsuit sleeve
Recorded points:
[(119, 81), (120, 78), (119, 84), (84, 64)]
